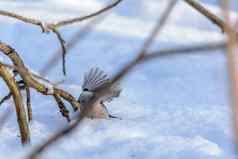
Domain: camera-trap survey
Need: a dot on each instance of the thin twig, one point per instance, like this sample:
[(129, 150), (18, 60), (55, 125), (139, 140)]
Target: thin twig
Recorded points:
[(8, 96), (185, 50), (79, 19), (77, 37), (63, 110), (28, 103), (20, 17), (62, 44), (55, 25), (214, 18)]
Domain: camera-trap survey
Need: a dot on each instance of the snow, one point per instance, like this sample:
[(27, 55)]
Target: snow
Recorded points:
[(170, 108)]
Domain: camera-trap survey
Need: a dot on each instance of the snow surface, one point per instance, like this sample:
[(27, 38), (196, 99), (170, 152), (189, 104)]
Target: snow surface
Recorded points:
[(182, 110)]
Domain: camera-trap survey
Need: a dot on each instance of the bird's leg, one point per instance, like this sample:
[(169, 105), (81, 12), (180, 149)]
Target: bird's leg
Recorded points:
[(109, 115), (115, 117)]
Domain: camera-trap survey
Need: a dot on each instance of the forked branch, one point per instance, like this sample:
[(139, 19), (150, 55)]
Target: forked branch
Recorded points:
[(32, 82), (54, 26), (211, 16)]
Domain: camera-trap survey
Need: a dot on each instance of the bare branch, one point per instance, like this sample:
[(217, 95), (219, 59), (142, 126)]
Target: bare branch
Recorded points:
[(22, 18), (185, 50), (20, 110), (62, 44), (232, 64)]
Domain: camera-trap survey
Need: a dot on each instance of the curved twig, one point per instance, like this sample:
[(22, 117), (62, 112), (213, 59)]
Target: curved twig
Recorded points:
[(63, 47), (8, 96), (20, 110), (79, 19)]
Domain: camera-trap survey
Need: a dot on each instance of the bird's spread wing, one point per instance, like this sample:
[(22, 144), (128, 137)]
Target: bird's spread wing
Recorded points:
[(113, 93), (94, 79)]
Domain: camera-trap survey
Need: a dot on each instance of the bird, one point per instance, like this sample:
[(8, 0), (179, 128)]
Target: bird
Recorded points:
[(94, 80)]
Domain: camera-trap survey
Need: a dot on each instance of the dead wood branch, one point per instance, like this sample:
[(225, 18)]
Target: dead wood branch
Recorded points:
[(19, 106), (30, 80)]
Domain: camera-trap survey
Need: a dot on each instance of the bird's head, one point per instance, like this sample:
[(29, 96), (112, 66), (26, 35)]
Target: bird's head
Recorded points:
[(85, 97)]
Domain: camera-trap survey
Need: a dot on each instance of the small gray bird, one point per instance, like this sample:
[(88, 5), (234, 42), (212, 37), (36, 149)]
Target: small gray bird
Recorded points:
[(93, 80)]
